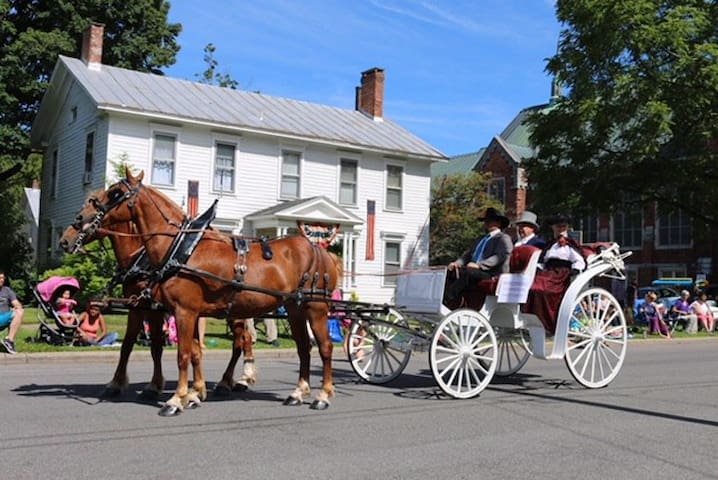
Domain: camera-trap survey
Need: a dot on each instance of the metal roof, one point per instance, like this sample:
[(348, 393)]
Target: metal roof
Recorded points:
[(119, 89), (460, 164)]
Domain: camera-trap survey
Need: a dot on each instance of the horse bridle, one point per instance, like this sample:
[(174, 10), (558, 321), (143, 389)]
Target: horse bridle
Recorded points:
[(89, 228)]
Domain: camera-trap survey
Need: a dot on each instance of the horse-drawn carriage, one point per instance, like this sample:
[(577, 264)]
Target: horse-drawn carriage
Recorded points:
[(468, 347), (194, 270)]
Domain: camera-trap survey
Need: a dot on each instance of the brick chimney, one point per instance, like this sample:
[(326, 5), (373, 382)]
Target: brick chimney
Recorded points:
[(370, 95), (92, 46)]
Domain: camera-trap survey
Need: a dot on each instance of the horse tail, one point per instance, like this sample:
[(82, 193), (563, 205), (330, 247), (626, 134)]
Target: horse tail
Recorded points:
[(338, 266)]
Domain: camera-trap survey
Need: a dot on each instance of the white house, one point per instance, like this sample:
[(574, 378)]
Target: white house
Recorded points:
[(271, 161)]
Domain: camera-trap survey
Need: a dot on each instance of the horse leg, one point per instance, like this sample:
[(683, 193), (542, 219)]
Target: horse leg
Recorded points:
[(320, 327), (187, 342), (249, 372), (226, 384), (298, 327), (157, 343), (198, 392), (120, 380)]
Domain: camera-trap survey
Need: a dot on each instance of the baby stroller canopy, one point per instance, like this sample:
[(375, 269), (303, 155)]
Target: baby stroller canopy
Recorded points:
[(50, 288)]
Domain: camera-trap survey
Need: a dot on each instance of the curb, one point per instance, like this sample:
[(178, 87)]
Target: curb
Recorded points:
[(111, 356)]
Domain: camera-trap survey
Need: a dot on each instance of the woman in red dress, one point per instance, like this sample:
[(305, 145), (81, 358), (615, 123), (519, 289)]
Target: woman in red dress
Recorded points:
[(560, 259)]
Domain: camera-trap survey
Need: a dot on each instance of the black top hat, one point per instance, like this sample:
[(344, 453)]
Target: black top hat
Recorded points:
[(493, 214), (558, 219)]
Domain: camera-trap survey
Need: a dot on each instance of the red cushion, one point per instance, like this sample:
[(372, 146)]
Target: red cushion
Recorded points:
[(520, 257)]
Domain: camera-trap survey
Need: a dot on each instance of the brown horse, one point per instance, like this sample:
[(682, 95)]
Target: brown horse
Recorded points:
[(214, 281), (127, 247)]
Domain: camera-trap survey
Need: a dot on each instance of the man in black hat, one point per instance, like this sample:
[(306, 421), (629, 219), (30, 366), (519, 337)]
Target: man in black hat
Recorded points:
[(488, 256)]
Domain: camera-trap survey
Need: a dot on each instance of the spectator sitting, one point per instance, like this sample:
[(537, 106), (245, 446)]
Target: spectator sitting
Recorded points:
[(653, 315), (11, 313), (92, 329), (701, 309), (560, 259), (681, 312), (65, 306)]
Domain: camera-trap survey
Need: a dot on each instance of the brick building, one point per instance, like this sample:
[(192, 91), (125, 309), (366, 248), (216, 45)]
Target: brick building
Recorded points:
[(663, 244)]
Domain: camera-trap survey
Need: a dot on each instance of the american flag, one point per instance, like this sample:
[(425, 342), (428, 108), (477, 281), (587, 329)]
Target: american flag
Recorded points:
[(370, 214), (192, 198)]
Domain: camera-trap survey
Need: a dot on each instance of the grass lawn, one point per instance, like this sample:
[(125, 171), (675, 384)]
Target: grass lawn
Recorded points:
[(216, 336)]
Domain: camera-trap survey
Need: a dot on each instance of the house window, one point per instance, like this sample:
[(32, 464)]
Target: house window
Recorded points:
[(497, 190), (163, 159), (348, 182), (674, 229), (53, 173), (672, 271), (589, 228), (392, 261), (290, 175), (627, 230), (394, 176), (224, 168), (89, 157)]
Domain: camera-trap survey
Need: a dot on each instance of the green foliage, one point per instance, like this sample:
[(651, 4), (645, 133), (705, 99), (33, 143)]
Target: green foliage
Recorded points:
[(641, 111), (456, 203), (94, 270), (34, 33), (211, 76)]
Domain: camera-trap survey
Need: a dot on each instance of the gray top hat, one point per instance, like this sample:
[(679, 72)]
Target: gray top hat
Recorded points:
[(529, 218)]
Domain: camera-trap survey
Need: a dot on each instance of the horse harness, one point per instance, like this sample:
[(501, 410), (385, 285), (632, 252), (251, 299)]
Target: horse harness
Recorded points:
[(185, 243)]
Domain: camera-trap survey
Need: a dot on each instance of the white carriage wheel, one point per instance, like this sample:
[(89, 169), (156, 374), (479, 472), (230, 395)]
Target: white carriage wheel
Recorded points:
[(597, 338), (513, 350), (463, 353), (379, 352)]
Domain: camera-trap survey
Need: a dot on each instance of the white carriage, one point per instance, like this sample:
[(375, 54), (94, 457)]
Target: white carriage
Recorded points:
[(468, 347)]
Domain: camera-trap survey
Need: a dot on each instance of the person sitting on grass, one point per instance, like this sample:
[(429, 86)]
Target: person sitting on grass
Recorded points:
[(92, 329), (705, 316), (11, 314), (654, 316)]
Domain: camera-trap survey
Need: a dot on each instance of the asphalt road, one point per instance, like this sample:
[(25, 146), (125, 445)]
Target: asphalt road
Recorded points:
[(657, 420)]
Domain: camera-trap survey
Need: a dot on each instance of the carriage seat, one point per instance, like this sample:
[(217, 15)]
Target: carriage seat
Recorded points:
[(523, 261)]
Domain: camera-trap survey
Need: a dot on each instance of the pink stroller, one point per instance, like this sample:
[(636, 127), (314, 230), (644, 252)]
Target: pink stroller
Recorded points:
[(52, 329)]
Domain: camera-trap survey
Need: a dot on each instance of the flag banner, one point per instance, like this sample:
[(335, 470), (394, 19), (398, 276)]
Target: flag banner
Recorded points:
[(192, 198), (370, 214)]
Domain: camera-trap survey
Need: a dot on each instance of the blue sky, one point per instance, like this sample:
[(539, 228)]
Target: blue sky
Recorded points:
[(457, 71)]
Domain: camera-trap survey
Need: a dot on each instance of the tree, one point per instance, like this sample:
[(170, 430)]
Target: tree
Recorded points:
[(457, 201), (34, 33), (211, 76), (94, 270), (639, 121)]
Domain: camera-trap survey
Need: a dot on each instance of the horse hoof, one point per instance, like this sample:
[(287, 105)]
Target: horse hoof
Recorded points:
[(292, 402), (319, 405), (192, 405), (169, 411), (240, 387), (221, 390), (148, 395)]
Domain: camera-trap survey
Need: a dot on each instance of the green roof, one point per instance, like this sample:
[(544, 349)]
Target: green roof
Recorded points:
[(459, 164)]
